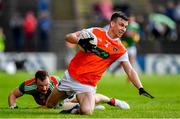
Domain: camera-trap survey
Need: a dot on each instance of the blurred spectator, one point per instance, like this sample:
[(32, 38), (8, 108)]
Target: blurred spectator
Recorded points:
[(158, 8), (29, 27), (103, 10), (2, 41), (1, 6), (123, 6), (129, 40), (177, 19), (5, 65), (140, 19), (163, 29), (162, 26), (44, 26), (2, 48), (170, 9), (131, 37), (177, 12), (43, 5), (16, 28)]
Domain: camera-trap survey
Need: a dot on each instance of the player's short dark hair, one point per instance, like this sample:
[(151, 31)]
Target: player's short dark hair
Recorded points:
[(119, 14), (41, 75)]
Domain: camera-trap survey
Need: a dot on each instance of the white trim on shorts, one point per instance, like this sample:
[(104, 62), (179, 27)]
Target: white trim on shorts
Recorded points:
[(68, 84)]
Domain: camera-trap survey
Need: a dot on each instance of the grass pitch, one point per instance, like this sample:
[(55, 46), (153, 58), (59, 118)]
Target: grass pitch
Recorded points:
[(165, 88)]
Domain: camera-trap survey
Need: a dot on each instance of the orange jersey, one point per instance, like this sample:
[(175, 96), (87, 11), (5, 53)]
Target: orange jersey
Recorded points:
[(87, 67)]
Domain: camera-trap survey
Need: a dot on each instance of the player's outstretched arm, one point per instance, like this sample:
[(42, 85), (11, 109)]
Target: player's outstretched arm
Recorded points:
[(132, 74), (12, 98), (134, 78)]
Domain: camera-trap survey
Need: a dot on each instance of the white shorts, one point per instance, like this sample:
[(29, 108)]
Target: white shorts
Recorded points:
[(69, 85)]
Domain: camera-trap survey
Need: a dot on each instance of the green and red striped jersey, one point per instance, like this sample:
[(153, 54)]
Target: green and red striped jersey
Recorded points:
[(30, 87)]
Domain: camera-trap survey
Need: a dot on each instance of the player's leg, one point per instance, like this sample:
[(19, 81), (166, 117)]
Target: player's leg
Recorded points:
[(84, 94), (68, 105), (85, 105), (111, 101), (99, 98), (119, 103), (87, 102), (70, 102), (55, 97)]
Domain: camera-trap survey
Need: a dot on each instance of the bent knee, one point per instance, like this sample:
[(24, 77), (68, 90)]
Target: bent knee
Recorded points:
[(87, 111), (49, 105)]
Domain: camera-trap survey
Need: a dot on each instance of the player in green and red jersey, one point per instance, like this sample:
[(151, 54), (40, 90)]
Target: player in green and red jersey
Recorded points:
[(130, 38), (40, 88)]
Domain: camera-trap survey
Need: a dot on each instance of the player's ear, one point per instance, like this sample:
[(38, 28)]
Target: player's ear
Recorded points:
[(35, 80), (112, 24)]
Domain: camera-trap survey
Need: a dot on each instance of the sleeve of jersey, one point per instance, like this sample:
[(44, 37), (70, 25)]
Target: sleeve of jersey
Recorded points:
[(89, 30), (123, 58), (55, 80), (58, 79), (21, 87)]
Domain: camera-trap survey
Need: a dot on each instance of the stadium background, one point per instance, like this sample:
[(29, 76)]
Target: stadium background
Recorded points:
[(76, 15), (71, 15)]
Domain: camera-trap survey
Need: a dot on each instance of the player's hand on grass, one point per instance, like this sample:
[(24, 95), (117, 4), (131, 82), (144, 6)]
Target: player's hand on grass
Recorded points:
[(86, 41), (13, 107), (143, 92)]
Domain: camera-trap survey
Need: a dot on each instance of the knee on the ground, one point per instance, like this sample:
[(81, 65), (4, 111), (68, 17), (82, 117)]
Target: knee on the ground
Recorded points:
[(49, 105), (87, 111)]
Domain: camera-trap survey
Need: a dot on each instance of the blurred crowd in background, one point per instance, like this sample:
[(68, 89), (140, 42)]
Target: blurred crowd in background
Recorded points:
[(37, 25), (159, 27), (30, 30)]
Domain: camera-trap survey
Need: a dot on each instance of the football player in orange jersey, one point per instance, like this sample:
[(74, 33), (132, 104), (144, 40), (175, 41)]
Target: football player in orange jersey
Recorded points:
[(41, 86), (101, 49)]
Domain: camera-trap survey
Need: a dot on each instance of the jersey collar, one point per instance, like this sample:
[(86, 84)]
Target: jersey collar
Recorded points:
[(116, 39)]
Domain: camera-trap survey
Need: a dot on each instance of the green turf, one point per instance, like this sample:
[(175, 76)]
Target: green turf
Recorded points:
[(165, 88)]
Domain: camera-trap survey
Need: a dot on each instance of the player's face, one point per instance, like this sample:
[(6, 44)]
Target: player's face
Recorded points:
[(119, 27), (43, 86)]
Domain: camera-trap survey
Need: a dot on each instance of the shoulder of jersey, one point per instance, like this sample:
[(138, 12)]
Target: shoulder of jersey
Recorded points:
[(98, 28), (54, 79), (27, 82)]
